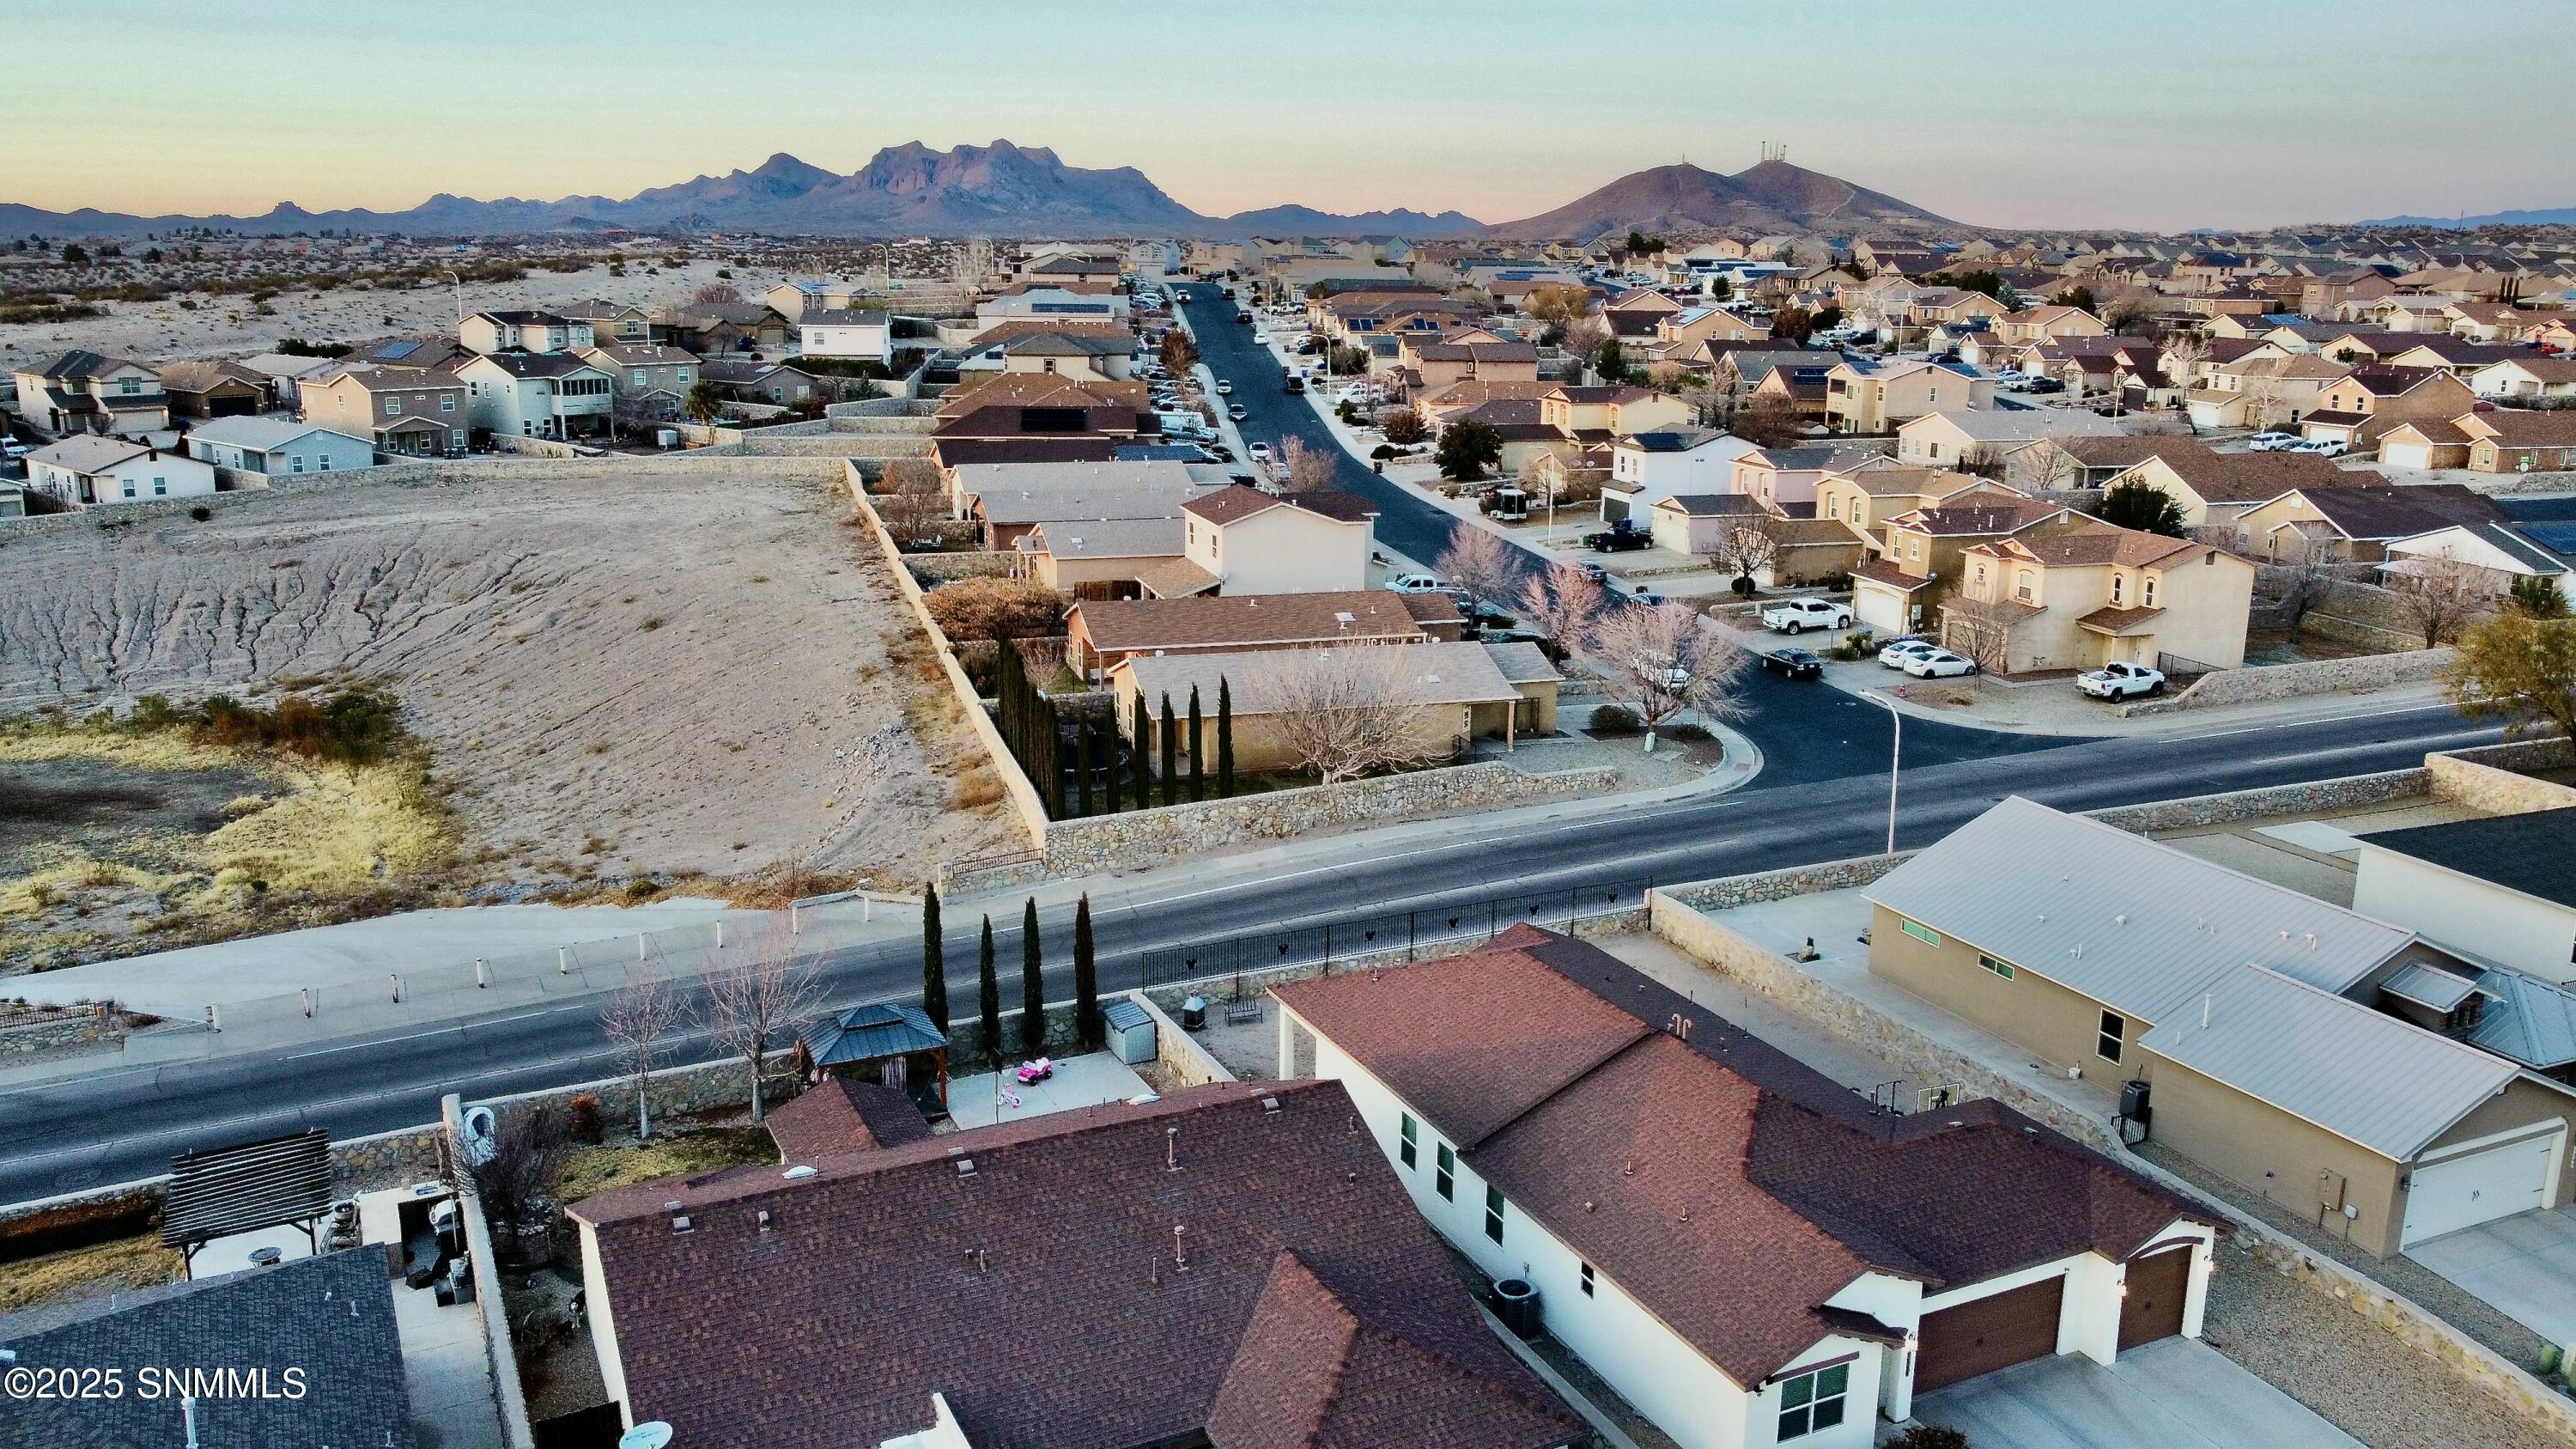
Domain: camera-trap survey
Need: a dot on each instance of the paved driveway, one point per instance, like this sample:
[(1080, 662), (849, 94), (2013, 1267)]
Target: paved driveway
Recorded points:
[(2524, 1265), (2176, 1394)]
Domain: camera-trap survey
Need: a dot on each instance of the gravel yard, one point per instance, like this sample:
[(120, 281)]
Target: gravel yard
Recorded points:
[(617, 672), (2354, 1374)]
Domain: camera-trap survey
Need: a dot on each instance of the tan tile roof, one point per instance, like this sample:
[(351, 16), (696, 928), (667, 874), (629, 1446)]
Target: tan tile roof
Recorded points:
[(1118, 626), (2108, 620), (2094, 542), (1176, 580), (1880, 571), (1976, 516)]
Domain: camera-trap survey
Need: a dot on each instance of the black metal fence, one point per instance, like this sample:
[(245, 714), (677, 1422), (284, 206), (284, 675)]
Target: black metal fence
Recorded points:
[(1388, 935)]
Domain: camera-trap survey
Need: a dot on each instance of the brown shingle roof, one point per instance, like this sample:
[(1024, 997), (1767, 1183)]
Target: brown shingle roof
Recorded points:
[(1041, 1295), (1727, 1186), (2102, 543), (2523, 428), (2399, 512), (2258, 477), (1977, 516), (2127, 452), (1119, 626), (843, 1115)]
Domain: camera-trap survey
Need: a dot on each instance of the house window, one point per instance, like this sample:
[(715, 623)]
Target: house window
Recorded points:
[(160, 486), (326, 463), (1444, 1172), (2107, 1044), (2151, 591), (2024, 586), (447, 402), (1404, 1148), (1924, 934), (1587, 1280), (637, 375), (1494, 1213), (393, 405), (2115, 588), (1811, 1402), (295, 464), (129, 487)]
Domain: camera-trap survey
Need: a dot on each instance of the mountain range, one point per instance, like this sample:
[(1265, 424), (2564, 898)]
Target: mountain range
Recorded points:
[(909, 190), (2550, 216), (1771, 197)]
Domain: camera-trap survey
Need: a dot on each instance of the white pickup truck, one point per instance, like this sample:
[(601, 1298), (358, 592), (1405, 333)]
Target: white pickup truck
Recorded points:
[(2121, 681), (1793, 616)]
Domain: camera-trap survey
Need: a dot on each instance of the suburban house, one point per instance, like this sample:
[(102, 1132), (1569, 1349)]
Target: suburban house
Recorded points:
[(1085, 355), (2048, 323), (1245, 541), (778, 383), (83, 392), (859, 336), (2512, 440), (2214, 489), (2496, 887), (2267, 1025), (2515, 379), (1069, 300), (1451, 693), (1100, 558), (2358, 410), (1248, 1214), (1010, 498), (2261, 392), (1619, 409), (1866, 496), (277, 447), (2451, 354), (87, 469), (1439, 362), (2356, 524), (1784, 480), (1634, 316), (281, 374), (2098, 460), (215, 387), (403, 410), (648, 377), (489, 332), (2088, 593), (2425, 443), (1648, 467), (2498, 553), (1436, 409), (1874, 397), (1015, 405), (1746, 1251), (710, 328), (537, 394), (1101, 632), (610, 323), (1917, 558), (1697, 523), (2009, 441)]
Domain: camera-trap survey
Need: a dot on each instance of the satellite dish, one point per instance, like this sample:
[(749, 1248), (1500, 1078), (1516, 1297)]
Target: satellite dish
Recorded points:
[(653, 1434)]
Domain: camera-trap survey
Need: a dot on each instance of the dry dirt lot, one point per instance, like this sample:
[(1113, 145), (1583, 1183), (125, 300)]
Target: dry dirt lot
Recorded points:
[(617, 673)]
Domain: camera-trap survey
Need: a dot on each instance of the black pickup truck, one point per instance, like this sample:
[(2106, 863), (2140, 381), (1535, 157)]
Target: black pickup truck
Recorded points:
[(1623, 536)]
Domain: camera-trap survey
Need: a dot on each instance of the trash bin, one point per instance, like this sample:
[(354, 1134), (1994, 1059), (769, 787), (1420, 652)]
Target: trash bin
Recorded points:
[(1516, 1302), (1193, 1012)]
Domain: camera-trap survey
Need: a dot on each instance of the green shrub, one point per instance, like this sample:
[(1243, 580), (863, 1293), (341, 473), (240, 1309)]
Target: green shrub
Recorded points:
[(1616, 719), (1688, 730), (1929, 1436)]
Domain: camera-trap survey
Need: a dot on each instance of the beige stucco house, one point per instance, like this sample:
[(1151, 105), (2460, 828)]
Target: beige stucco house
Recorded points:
[(2091, 593)]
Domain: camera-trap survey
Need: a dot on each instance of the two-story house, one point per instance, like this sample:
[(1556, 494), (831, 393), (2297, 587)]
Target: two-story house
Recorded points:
[(858, 336), (1875, 397), (2088, 593), (1244, 541), (524, 331), (84, 392), (538, 394), (610, 323), (1648, 467), (648, 378), (411, 411), (1617, 409), (2359, 408), (1917, 553), (1867, 493)]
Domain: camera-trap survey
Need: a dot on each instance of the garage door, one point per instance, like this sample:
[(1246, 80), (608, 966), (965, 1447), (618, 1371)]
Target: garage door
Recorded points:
[(1882, 609), (1990, 1333), (2479, 1187), (2152, 1309), (2407, 455)]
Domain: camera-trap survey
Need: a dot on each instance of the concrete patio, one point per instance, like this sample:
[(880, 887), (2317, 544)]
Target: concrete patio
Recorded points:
[(1084, 1081), (2178, 1393), (2524, 1265)]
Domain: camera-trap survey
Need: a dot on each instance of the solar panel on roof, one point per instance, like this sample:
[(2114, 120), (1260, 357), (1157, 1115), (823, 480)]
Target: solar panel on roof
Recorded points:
[(398, 349), (2555, 537)]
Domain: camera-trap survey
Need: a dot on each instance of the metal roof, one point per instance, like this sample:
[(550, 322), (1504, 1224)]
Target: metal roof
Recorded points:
[(867, 1033), (1121, 1014), (2137, 925), (2429, 986), (2527, 1020), (2384, 1083)]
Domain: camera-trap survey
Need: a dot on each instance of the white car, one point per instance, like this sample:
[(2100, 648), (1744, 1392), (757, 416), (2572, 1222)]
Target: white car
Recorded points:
[(1224, 388), (12, 448), (1260, 339), (2012, 377), (1795, 616), (1416, 584), (1895, 652), (2121, 680), (2271, 442), (1939, 664), (2324, 447)]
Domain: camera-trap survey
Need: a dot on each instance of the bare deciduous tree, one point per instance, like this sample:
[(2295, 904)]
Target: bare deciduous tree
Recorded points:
[(1583, 338), (637, 1021), (755, 1008), (1980, 629), (912, 504), (1667, 659), (1478, 562), (2440, 596), (973, 262), (717, 293), (516, 1172), (1307, 469), (2184, 352), (2305, 581), (1562, 604), (1744, 548), (1768, 420), (1346, 712)]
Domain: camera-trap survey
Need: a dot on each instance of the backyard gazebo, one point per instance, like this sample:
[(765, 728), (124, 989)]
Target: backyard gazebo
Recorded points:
[(883, 1041)]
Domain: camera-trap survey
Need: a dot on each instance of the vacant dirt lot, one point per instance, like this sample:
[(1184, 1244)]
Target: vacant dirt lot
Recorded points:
[(617, 672)]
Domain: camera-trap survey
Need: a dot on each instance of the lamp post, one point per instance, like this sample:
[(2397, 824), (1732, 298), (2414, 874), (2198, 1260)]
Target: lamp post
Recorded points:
[(1895, 758), (460, 294)]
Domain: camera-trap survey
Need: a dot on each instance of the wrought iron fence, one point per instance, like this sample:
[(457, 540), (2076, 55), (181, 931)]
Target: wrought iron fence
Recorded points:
[(1383, 936)]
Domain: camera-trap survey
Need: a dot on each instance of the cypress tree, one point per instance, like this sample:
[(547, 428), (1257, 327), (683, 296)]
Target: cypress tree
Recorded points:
[(1171, 751), (1086, 979), (1032, 984), (1109, 748), (934, 965), (1198, 775), (1088, 761), (988, 996), (1142, 731), (1051, 756), (1224, 739)]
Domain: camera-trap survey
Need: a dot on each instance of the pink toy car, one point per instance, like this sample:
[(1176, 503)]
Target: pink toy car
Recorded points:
[(1036, 1071)]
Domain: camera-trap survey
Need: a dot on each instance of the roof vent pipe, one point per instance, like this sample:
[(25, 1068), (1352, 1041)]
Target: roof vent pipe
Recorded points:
[(2204, 1010), (1171, 1149)]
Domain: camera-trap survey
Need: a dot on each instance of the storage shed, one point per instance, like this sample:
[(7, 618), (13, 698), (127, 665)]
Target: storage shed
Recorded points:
[(1131, 1031)]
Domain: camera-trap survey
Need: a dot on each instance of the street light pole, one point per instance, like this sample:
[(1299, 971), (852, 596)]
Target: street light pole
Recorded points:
[(460, 294), (1895, 759)]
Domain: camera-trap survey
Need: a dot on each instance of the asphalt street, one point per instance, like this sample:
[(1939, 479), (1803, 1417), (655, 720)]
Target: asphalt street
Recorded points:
[(1822, 796)]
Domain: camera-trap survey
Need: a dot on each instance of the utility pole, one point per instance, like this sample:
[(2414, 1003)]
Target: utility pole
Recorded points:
[(1895, 759)]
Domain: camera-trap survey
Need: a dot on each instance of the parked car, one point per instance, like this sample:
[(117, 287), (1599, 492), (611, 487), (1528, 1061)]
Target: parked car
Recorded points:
[(1243, 317), (12, 449), (1260, 339), (1259, 452), (1939, 664), (1416, 583), (1623, 536), (1237, 412), (2043, 384), (2324, 447), (1795, 663), (2271, 442), (1593, 571), (1793, 616), (2121, 680), (1647, 597), (2011, 377), (1895, 652), (1224, 388)]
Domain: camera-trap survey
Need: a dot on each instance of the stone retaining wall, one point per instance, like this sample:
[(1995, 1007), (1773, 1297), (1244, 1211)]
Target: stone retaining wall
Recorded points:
[(1731, 891), (2293, 681), (2489, 781), (1177, 1052), (1143, 837), (501, 1356), (2195, 811), (931, 569), (838, 445), (521, 447)]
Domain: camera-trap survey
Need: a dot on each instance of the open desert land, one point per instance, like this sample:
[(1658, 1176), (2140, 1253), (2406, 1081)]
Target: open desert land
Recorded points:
[(616, 670), (226, 325)]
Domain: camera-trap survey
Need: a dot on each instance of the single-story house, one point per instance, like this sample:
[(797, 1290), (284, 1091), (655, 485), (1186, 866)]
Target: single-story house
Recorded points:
[(215, 387), (1454, 693), (2500, 552), (2516, 440), (1098, 558), (1696, 523), (1101, 632), (2496, 886), (2355, 525), (277, 447), (89, 469)]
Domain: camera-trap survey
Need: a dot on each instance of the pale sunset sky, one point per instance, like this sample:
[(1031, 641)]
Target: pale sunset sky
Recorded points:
[(2064, 113)]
